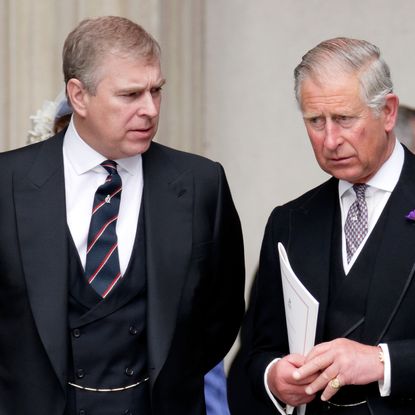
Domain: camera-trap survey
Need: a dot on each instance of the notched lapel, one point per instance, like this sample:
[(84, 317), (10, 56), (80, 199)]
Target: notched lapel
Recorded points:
[(41, 226), (168, 203), (309, 246)]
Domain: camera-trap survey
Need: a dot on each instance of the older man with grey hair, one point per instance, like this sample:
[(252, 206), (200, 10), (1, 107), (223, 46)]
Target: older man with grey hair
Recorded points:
[(350, 241)]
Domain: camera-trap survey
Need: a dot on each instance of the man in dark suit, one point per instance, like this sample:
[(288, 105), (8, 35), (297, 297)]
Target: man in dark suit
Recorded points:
[(351, 244), (125, 311)]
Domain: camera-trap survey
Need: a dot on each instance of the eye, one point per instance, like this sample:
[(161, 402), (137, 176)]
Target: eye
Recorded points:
[(316, 122), (156, 90), (132, 94), (345, 121)]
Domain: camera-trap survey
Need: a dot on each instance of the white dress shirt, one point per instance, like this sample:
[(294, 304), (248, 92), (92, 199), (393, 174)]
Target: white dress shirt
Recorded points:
[(83, 175), (377, 194)]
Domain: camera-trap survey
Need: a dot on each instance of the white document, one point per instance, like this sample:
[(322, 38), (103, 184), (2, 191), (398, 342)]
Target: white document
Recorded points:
[(301, 311)]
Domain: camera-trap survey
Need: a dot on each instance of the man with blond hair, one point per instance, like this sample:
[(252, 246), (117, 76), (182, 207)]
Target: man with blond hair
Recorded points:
[(121, 262), (350, 241)]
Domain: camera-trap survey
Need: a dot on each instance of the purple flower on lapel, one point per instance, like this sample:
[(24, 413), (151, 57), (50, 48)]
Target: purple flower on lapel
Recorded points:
[(411, 216)]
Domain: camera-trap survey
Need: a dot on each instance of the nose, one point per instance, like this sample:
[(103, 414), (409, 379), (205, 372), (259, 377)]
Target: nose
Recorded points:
[(148, 106), (332, 137)]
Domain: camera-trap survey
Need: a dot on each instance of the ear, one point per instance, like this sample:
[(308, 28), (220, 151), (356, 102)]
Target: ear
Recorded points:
[(78, 96), (390, 111)]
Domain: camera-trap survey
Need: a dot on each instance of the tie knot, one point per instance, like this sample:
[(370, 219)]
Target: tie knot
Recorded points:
[(110, 166), (360, 190)]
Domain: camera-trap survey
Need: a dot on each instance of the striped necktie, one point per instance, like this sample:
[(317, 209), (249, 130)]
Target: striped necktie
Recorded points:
[(102, 266)]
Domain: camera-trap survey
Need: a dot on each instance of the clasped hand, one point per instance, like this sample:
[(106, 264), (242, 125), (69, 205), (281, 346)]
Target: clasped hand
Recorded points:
[(296, 379)]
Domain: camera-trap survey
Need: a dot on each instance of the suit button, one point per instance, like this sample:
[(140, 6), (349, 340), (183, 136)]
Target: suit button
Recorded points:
[(133, 330), (76, 333), (82, 412), (129, 371), (80, 373)]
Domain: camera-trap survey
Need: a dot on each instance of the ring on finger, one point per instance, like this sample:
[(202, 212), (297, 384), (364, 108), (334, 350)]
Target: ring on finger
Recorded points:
[(335, 383)]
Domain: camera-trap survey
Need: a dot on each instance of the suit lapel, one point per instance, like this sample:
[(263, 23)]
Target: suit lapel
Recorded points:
[(168, 201), (395, 261), (41, 226), (309, 245)]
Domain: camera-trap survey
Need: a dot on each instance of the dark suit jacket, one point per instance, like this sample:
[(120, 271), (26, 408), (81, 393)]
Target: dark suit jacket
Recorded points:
[(195, 269), (305, 227)]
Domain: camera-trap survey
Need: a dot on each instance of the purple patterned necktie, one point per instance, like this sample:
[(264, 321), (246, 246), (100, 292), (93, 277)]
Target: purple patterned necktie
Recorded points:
[(102, 266), (356, 225)]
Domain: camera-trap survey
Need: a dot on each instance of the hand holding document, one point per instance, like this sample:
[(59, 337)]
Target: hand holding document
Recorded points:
[(301, 311)]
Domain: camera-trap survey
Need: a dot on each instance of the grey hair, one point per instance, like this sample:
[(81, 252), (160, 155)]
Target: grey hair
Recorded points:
[(348, 56), (87, 46)]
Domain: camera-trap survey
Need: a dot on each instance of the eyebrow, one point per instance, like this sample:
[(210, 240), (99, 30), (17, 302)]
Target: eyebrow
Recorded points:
[(311, 115), (345, 113), (141, 88)]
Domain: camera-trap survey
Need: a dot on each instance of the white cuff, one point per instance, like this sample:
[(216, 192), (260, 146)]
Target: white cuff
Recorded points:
[(385, 384), (271, 396)]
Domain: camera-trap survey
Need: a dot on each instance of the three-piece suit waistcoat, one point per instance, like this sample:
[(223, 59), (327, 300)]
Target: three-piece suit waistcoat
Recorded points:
[(108, 344), (345, 316)]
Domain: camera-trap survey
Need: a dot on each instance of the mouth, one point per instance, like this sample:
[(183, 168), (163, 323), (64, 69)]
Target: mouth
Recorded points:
[(143, 130), (141, 134), (339, 159)]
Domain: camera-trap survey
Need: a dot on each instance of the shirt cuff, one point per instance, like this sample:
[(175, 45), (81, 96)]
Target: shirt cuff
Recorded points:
[(385, 384), (280, 408)]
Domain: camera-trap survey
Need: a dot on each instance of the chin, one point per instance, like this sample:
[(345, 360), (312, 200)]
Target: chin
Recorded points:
[(138, 148)]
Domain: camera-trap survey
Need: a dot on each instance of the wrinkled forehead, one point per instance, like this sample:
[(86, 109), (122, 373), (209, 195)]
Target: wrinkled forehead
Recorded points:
[(331, 82)]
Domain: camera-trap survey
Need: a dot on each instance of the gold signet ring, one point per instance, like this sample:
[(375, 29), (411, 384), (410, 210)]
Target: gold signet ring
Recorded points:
[(335, 383)]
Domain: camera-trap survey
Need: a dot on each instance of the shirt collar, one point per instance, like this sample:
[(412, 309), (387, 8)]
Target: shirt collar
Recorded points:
[(84, 158), (387, 176)]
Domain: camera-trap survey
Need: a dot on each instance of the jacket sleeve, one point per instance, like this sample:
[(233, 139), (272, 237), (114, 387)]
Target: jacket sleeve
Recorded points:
[(269, 333), (225, 295)]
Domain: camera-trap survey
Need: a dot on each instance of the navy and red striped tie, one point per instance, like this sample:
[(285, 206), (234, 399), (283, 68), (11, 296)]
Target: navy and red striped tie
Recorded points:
[(102, 266)]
